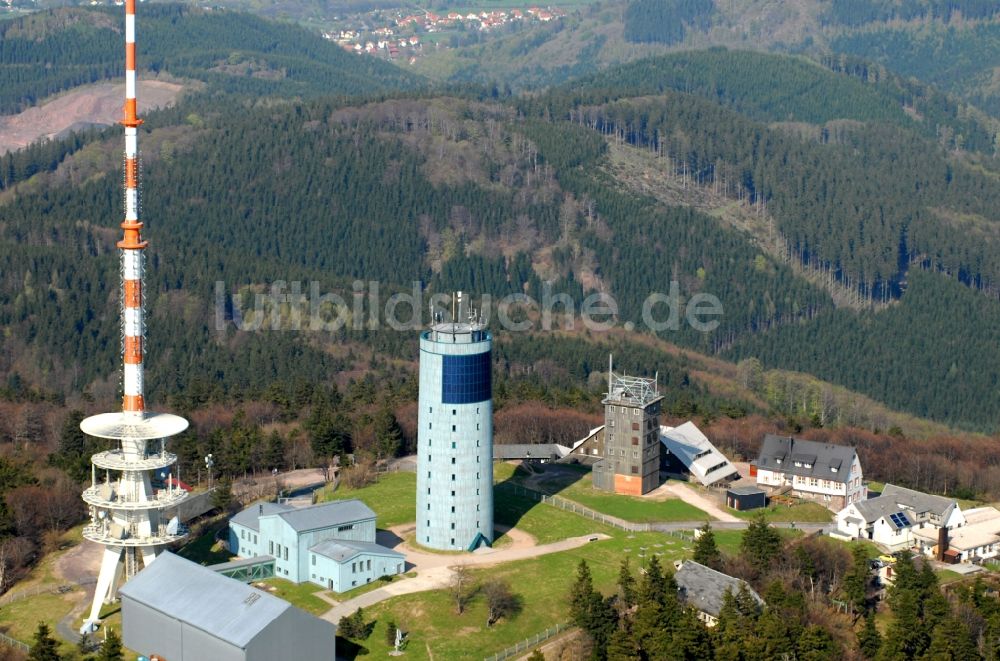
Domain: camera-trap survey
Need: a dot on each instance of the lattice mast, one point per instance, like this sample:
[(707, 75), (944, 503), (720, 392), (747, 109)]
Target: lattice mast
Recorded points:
[(127, 515)]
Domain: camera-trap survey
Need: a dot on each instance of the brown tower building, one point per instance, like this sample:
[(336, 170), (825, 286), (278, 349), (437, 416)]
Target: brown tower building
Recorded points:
[(630, 456)]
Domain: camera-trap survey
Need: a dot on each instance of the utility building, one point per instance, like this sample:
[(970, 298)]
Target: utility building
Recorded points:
[(329, 544), (455, 437), (630, 462), (178, 610)]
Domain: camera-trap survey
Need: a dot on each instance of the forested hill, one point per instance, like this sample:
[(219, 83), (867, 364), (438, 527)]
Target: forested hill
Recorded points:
[(952, 44), (864, 202), (780, 88), (499, 197), (52, 51)]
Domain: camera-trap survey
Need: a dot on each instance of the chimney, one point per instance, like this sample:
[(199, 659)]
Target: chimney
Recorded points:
[(942, 543)]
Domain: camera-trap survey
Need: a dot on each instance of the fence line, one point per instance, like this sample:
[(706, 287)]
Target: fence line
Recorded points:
[(11, 597), (577, 508), (13, 642), (528, 643)]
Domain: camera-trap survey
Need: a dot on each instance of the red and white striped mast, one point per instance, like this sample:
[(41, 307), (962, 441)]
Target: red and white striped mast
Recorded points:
[(132, 246), (128, 517)]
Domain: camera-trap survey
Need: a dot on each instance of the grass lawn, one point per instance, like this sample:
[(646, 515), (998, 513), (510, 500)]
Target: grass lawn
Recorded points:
[(300, 595), (542, 583), (544, 522), (393, 498), (946, 576), (728, 541), (805, 512), (20, 619), (639, 510), (573, 483), (204, 549)]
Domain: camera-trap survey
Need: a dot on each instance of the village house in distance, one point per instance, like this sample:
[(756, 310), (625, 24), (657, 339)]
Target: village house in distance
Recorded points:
[(821, 472)]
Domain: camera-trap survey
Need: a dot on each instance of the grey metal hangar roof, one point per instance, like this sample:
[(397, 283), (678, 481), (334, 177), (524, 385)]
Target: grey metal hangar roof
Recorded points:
[(342, 551), (335, 513), (223, 607), (302, 519)]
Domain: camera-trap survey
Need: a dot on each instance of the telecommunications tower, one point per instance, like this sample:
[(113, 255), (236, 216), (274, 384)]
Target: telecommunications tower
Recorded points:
[(455, 437), (127, 515)]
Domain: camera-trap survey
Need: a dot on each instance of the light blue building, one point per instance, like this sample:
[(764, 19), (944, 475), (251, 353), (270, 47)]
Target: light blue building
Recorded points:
[(330, 544), (455, 437), (340, 566)]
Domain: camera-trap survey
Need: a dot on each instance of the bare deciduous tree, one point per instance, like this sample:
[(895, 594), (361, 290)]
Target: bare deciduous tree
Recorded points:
[(500, 601), (461, 588)]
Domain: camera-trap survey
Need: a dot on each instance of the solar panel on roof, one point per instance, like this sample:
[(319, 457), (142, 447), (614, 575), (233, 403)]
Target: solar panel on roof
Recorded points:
[(899, 519)]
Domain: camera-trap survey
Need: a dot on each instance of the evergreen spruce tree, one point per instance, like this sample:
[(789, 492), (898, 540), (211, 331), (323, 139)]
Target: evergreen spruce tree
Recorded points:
[(706, 552), (651, 631), (111, 648), (856, 580), (72, 455), (84, 646), (991, 638), (772, 639), (760, 543), (869, 639), (275, 456), (581, 594), (691, 640), (222, 496), (729, 631), (353, 626), (388, 437), (816, 644), (652, 586), (904, 639), (626, 584), (622, 645), (951, 641), (590, 611), (43, 645)]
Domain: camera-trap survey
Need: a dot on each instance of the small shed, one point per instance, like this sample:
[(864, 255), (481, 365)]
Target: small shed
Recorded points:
[(745, 498)]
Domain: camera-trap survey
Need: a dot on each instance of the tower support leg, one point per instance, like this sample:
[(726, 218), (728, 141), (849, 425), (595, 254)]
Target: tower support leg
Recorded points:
[(106, 584)]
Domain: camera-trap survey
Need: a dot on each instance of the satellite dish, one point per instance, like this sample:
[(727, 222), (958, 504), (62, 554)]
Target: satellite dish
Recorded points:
[(172, 526), (101, 514)]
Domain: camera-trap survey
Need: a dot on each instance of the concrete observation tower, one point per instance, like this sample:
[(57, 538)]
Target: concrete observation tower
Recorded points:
[(127, 517), (455, 438)]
